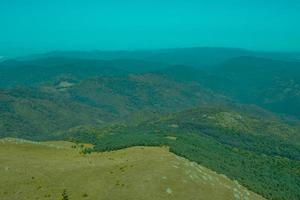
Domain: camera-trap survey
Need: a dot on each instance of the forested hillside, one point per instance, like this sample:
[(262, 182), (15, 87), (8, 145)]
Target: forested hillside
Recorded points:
[(261, 153), (236, 114), (64, 103), (272, 84)]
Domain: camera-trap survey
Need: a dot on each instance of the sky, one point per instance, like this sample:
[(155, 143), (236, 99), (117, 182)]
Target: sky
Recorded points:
[(37, 26)]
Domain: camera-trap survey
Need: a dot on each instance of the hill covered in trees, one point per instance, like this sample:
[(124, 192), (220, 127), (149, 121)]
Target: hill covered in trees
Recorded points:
[(231, 110), (63, 103), (261, 153)]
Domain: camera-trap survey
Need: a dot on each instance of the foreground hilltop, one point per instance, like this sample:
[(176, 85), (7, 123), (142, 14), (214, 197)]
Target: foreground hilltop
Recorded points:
[(44, 170)]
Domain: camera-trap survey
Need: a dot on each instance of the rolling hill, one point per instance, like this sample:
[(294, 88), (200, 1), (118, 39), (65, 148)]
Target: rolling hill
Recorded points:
[(47, 169), (247, 144), (247, 77), (36, 113), (271, 84), (239, 116), (30, 113), (38, 71), (198, 57)]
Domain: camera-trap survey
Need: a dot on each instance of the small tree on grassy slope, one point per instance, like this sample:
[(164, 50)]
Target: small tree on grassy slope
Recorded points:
[(64, 195)]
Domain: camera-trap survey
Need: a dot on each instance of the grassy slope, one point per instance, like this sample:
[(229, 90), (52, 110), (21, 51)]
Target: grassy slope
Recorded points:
[(271, 176), (43, 170)]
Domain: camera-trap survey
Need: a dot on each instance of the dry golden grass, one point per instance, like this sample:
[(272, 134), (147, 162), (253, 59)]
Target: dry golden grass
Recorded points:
[(43, 170)]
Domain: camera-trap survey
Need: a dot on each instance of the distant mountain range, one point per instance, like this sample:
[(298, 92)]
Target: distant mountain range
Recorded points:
[(199, 57), (271, 84), (232, 110), (120, 87), (66, 102), (34, 72)]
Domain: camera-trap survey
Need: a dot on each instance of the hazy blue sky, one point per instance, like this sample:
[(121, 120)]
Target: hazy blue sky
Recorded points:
[(33, 26)]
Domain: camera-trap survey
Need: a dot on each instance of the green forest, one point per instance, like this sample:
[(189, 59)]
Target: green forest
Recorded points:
[(264, 168)]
